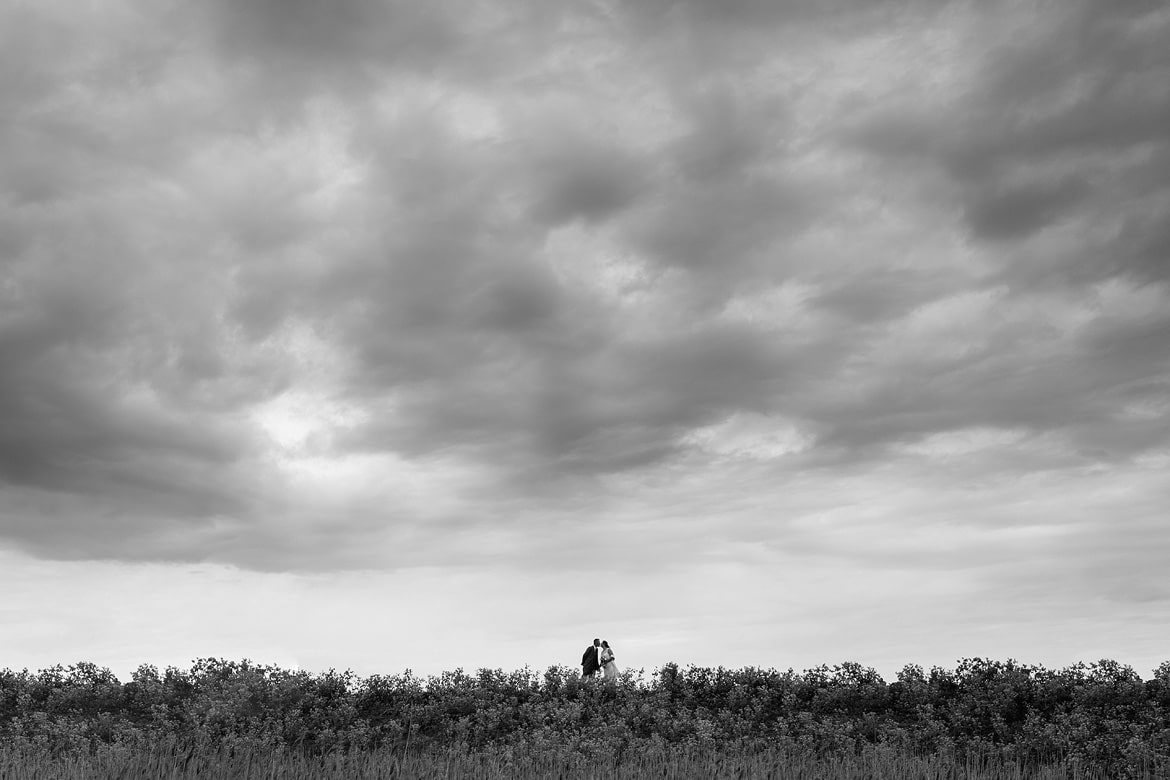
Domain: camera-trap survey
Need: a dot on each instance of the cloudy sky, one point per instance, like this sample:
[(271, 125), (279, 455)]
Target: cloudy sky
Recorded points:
[(381, 334)]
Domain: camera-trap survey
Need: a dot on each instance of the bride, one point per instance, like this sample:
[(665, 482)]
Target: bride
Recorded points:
[(608, 666)]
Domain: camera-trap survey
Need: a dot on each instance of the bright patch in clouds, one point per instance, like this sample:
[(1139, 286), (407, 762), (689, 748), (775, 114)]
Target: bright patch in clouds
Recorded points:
[(965, 442), (751, 436)]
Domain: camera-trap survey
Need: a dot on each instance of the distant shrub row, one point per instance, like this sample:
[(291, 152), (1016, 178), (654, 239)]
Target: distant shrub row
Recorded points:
[(1101, 717)]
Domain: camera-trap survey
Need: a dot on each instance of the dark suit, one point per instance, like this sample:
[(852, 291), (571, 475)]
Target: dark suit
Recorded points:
[(589, 664)]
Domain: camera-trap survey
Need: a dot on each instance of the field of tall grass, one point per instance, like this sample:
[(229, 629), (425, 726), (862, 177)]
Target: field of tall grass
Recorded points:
[(174, 760)]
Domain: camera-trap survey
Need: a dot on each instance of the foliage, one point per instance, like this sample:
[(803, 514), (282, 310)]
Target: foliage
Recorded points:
[(1100, 719)]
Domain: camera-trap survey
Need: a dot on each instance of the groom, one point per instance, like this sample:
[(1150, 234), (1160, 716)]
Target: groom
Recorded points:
[(589, 661)]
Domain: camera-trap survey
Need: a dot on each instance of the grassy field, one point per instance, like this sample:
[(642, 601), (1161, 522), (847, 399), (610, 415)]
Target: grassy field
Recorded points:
[(178, 761)]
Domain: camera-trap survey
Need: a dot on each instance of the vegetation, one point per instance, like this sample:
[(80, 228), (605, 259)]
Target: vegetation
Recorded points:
[(983, 719)]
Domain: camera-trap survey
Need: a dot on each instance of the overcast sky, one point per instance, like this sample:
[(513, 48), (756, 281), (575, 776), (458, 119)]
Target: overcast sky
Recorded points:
[(381, 334)]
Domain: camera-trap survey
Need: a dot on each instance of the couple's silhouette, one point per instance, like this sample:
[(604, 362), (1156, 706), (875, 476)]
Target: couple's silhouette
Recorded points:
[(599, 657)]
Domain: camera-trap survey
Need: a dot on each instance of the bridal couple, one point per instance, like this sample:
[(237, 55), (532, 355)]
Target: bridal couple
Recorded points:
[(597, 657)]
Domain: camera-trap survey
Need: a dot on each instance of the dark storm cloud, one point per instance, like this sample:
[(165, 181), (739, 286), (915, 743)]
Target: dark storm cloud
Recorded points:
[(303, 34), (282, 53), (1142, 247), (880, 295), (1064, 118), (576, 182), (120, 456), (764, 18), (1016, 211), (729, 189), (1013, 377)]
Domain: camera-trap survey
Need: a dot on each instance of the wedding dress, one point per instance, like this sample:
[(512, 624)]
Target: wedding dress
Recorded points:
[(608, 666)]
